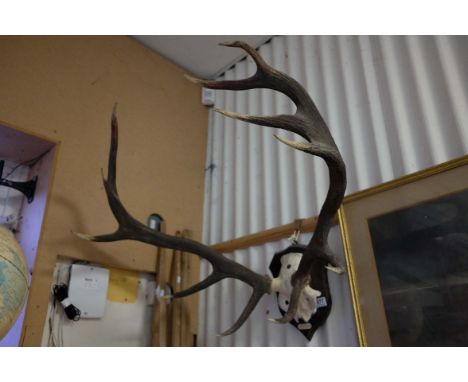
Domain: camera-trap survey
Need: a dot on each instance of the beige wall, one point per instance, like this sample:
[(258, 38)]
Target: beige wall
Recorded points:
[(63, 88)]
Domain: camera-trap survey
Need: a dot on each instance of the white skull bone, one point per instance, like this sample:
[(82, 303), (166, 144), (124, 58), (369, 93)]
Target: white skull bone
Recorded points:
[(282, 284)]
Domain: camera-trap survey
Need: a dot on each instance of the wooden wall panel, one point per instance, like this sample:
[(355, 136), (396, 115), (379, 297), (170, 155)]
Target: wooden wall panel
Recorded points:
[(64, 88)]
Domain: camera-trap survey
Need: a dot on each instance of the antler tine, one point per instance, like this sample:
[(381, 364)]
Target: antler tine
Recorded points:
[(213, 278), (112, 165), (253, 301), (308, 147), (286, 122), (131, 229), (257, 294), (110, 185), (307, 121), (265, 77), (261, 64)]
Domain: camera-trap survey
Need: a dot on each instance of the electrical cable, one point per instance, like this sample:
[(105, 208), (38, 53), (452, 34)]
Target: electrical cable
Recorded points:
[(61, 294), (29, 163)]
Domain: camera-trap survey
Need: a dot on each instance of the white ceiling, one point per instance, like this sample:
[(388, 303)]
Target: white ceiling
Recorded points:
[(200, 55)]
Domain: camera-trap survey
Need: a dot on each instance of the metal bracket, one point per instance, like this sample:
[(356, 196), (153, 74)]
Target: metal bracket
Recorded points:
[(27, 188)]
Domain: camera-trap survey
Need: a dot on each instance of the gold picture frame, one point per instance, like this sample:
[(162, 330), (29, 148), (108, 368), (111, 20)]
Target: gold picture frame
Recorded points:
[(362, 212)]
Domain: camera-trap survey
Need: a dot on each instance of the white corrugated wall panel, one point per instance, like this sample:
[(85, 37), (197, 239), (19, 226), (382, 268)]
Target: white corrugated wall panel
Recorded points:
[(394, 104)]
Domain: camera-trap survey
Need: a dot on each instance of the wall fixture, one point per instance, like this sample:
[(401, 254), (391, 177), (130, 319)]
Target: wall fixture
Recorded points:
[(315, 258), (154, 222), (315, 302), (28, 188)]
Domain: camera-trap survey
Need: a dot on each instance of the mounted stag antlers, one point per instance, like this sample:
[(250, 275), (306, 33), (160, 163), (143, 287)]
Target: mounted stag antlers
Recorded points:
[(306, 122)]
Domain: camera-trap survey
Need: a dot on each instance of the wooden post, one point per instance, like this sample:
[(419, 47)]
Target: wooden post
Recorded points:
[(174, 325), (160, 306), (186, 281)]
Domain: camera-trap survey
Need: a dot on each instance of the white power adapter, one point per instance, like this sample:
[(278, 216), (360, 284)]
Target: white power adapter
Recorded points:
[(207, 97), (88, 289)]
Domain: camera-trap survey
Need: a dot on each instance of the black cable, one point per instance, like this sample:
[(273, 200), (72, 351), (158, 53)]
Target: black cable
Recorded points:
[(61, 294), (29, 163)]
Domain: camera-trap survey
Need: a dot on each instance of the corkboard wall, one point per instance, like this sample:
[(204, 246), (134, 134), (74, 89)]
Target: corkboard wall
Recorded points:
[(64, 88)]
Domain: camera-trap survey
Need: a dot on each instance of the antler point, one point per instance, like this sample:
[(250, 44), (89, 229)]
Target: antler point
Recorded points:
[(337, 270), (228, 43), (83, 236), (302, 146), (193, 79), (114, 110), (221, 111), (103, 176), (231, 114)]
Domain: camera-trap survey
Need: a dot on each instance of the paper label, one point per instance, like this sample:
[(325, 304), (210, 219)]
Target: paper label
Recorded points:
[(321, 302)]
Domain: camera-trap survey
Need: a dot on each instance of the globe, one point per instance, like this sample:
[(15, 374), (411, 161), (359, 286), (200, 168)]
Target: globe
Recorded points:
[(13, 280)]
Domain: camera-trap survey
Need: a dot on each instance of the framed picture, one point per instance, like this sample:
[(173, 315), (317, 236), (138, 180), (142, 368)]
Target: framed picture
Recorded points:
[(406, 246)]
